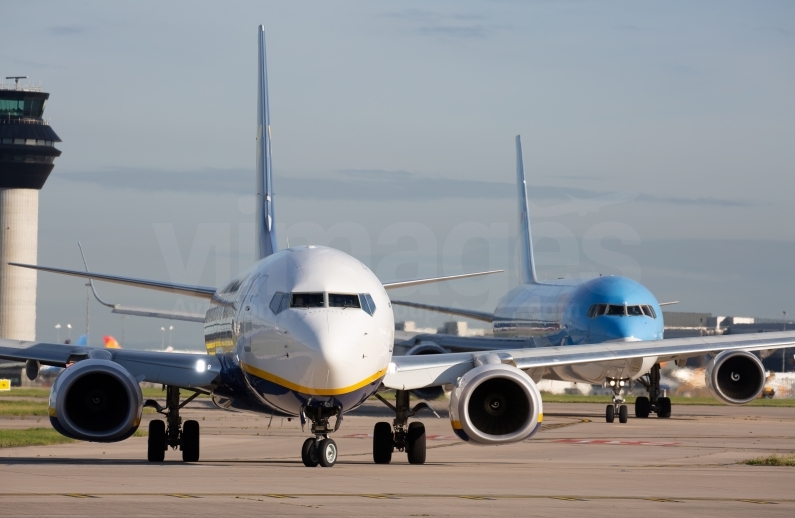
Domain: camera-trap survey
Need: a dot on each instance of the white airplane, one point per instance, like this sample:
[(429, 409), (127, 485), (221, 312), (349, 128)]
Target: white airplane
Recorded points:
[(307, 332)]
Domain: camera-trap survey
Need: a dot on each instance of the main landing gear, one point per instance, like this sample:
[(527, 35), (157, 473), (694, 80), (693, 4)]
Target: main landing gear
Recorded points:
[(410, 439), (320, 449), (654, 403), (617, 406), (173, 432)]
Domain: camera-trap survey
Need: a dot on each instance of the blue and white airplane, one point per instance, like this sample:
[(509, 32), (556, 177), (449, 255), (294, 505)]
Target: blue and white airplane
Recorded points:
[(561, 312), (308, 332)]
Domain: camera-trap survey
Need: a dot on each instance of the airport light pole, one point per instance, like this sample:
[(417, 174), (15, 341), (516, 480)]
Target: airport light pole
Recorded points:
[(784, 351), (162, 338), (170, 329), (69, 332), (58, 333)]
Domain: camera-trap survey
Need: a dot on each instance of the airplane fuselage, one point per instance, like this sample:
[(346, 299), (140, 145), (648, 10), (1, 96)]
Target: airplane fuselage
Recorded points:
[(308, 326)]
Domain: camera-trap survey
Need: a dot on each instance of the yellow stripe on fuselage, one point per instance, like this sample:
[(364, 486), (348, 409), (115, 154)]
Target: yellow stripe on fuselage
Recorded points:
[(309, 390)]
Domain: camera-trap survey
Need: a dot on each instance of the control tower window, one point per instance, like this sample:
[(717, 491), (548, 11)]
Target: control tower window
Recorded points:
[(337, 300), (307, 300), (21, 107)]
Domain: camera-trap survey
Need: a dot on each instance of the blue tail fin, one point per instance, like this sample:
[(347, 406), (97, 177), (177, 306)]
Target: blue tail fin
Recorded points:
[(264, 226), (527, 265)]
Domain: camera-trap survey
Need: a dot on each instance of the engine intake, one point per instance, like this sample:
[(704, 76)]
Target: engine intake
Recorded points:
[(735, 377), (96, 400), (495, 404)]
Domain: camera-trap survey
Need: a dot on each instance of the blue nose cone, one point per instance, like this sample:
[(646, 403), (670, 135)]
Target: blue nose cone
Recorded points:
[(625, 297)]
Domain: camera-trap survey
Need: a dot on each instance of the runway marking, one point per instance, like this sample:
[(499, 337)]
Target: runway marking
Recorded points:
[(612, 442), (508, 496), (177, 495)]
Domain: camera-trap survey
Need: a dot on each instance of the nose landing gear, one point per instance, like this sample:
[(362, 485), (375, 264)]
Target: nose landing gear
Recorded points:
[(617, 406), (406, 437), (176, 434), (320, 449)]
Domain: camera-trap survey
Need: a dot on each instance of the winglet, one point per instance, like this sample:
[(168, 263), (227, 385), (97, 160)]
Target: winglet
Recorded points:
[(527, 264), (264, 225)]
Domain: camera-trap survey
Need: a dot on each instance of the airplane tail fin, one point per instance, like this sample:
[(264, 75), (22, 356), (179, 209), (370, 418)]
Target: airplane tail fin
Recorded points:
[(527, 264), (264, 226)]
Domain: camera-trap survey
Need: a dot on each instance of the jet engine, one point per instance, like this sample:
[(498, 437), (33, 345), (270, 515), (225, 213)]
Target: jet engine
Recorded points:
[(735, 377), (495, 403), (426, 347), (96, 400)]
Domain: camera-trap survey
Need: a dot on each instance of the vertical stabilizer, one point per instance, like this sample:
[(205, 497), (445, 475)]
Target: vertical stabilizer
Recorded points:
[(264, 226), (527, 265)]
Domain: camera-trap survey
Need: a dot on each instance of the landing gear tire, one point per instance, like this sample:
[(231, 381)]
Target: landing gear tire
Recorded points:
[(610, 413), (623, 414), (664, 407), (190, 441), (156, 451), (642, 407), (309, 453), (415, 443), (327, 452), (383, 443)]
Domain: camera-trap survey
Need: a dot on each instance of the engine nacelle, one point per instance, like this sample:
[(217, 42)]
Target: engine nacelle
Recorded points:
[(495, 403), (735, 377), (96, 400)]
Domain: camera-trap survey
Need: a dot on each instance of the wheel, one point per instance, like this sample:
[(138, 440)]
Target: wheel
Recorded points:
[(642, 407), (309, 453), (189, 441), (610, 413), (156, 451), (415, 443), (664, 407), (327, 452), (383, 443), (623, 414)]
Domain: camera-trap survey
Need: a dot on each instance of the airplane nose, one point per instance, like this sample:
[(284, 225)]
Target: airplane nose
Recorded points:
[(334, 343), (611, 329)]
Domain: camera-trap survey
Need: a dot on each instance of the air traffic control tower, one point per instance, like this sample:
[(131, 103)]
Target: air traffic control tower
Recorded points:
[(27, 154)]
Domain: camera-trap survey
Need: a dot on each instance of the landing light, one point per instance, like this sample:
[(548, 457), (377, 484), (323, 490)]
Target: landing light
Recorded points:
[(612, 383), (201, 366)]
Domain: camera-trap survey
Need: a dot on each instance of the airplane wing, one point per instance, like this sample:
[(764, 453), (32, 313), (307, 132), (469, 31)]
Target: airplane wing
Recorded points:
[(417, 282), (170, 287), (432, 370), (467, 313), (190, 371)]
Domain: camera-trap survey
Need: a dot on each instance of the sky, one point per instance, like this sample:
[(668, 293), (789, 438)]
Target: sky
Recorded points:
[(657, 144)]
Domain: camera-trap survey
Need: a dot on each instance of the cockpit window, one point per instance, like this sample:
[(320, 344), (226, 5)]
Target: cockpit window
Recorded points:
[(337, 300), (367, 303), (619, 311), (307, 300), (279, 302), (615, 310), (634, 311)]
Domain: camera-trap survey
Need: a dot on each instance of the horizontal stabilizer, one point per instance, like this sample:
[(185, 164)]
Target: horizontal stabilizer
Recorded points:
[(417, 282), (170, 287), (467, 313)]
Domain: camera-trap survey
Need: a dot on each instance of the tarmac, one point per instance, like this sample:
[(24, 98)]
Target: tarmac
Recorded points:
[(577, 465)]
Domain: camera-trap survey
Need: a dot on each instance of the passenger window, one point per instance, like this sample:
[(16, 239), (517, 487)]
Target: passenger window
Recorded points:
[(337, 300), (615, 310), (634, 311), (307, 300)]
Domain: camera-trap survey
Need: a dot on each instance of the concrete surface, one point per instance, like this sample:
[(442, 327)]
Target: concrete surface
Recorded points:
[(578, 465)]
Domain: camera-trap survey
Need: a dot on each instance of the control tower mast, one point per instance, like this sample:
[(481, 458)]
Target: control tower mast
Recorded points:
[(27, 154)]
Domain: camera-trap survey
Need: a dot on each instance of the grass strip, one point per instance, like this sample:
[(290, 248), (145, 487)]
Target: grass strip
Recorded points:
[(771, 460), (23, 408), (31, 437)]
